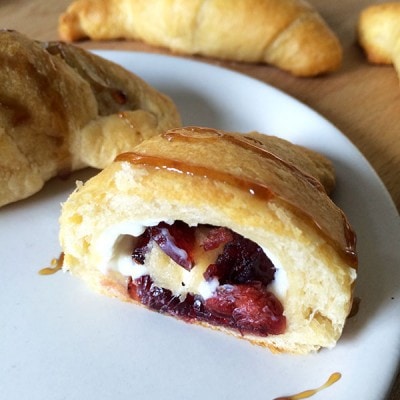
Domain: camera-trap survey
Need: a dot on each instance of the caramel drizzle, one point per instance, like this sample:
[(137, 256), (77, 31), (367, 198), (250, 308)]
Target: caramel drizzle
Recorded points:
[(56, 265), (246, 142), (308, 393), (251, 186)]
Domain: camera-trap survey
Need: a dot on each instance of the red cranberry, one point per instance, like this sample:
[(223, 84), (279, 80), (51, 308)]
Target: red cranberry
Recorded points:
[(176, 241), (251, 307), (216, 237), (241, 261)]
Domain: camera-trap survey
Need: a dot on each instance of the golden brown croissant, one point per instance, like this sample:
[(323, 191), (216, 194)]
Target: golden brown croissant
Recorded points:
[(63, 108), (289, 34), (379, 33), (229, 231)]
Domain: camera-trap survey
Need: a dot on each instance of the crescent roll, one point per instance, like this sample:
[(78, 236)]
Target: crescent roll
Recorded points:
[(230, 231), (289, 34), (379, 33), (63, 108)]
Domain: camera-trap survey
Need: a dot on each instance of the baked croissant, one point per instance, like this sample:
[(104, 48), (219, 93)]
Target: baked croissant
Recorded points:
[(63, 108), (289, 34), (233, 232), (379, 33)]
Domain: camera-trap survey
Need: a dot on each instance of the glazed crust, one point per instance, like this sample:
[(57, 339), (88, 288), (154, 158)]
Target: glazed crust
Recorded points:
[(288, 213), (288, 34), (63, 108), (310, 162), (379, 33)]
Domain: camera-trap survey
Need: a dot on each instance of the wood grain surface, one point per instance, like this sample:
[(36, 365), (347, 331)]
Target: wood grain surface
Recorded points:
[(362, 100)]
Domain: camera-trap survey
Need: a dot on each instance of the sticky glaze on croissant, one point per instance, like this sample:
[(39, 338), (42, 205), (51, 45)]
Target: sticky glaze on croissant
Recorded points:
[(63, 108), (233, 232), (289, 34)]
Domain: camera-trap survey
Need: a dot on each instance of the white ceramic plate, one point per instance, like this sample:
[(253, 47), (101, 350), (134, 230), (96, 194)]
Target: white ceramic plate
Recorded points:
[(58, 340)]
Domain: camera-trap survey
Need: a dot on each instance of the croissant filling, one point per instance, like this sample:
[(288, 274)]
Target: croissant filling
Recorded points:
[(231, 275)]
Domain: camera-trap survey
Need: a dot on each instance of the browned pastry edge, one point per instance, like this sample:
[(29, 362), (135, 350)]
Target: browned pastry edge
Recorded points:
[(63, 108)]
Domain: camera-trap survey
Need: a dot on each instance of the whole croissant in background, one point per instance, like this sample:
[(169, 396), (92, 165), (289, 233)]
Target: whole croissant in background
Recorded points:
[(379, 33), (289, 34), (63, 108)]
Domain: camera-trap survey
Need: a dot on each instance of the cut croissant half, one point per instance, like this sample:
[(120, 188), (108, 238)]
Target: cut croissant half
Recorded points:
[(289, 34), (233, 232)]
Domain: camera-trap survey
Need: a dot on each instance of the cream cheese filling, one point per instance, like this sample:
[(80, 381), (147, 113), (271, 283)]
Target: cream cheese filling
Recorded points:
[(114, 248)]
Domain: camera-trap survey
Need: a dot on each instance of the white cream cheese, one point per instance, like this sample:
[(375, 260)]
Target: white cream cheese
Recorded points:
[(115, 245), (280, 283)]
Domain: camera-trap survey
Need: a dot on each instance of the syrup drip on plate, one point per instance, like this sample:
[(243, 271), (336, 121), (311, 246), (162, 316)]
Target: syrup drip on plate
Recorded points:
[(355, 307), (308, 393), (56, 265)]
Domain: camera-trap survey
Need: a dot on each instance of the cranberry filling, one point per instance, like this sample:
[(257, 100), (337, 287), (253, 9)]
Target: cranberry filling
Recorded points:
[(242, 300), (241, 261), (175, 240)]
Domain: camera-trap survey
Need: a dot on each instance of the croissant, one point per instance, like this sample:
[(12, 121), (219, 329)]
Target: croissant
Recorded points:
[(63, 108), (379, 33), (289, 34), (230, 231)]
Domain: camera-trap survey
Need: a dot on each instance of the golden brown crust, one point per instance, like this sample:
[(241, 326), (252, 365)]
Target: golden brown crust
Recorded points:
[(379, 33), (289, 34), (63, 108), (207, 183), (309, 161)]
